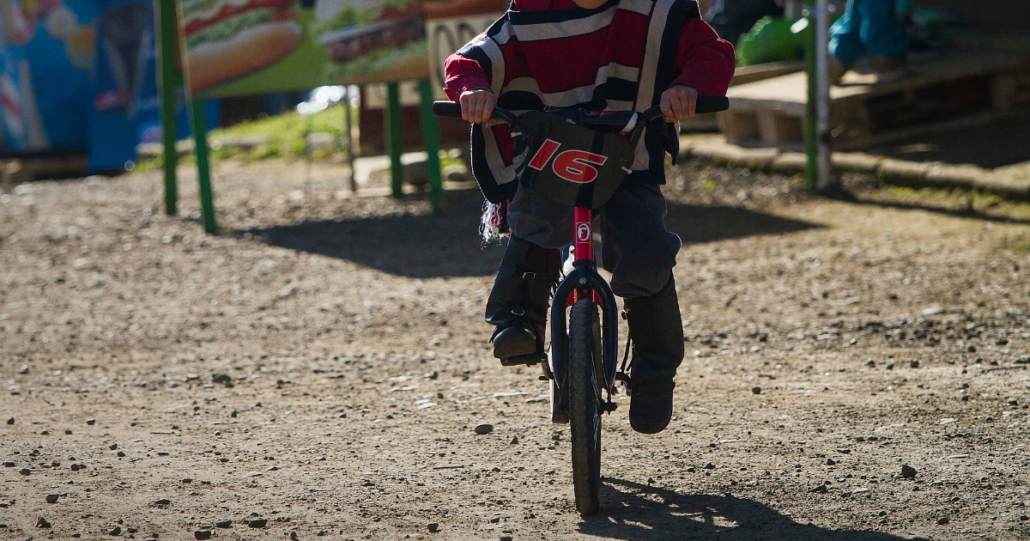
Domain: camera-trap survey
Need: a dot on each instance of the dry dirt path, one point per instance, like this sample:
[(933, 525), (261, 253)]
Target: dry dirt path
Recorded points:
[(321, 364)]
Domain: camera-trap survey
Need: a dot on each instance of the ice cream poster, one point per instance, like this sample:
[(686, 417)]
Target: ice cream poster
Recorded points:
[(46, 58), (236, 47)]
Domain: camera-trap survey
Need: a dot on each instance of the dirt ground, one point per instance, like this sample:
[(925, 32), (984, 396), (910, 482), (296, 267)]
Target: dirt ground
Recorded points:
[(317, 369)]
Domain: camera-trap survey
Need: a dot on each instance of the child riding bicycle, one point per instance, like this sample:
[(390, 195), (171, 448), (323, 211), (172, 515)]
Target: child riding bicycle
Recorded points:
[(596, 55)]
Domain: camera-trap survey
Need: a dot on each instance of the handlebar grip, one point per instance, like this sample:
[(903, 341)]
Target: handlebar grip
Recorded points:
[(712, 105), (447, 108)]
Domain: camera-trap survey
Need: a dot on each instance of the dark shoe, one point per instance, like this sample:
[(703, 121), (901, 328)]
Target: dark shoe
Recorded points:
[(518, 302), (650, 406), (657, 333), (838, 70), (515, 341)]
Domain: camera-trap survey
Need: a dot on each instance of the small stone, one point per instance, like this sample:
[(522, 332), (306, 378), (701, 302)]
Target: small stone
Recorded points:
[(163, 501), (67, 432), (24, 369), (10, 421), (908, 472), (117, 530), (943, 520), (514, 440), (830, 462), (223, 524), (258, 523), (484, 428), (202, 534), (709, 466), (221, 378), (25, 471), (495, 520), (914, 363), (121, 454), (821, 489), (52, 498), (91, 422), (113, 446), (294, 536), (42, 523), (890, 366), (187, 480), (505, 538), (8, 464), (756, 390), (433, 527), (843, 451), (690, 469), (882, 513)]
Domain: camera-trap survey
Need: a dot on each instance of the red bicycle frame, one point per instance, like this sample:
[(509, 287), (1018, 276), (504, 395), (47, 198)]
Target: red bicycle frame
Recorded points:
[(584, 250), (584, 219)]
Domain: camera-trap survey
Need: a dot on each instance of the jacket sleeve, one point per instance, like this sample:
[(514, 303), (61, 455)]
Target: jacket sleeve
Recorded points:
[(706, 62), (462, 74)]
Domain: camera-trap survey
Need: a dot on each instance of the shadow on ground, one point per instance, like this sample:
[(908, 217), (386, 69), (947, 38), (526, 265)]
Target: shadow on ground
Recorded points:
[(428, 246), (637, 512), (971, 214)]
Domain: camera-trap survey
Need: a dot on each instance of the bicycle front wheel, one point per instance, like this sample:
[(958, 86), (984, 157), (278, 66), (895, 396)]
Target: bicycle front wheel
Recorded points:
[(585, 404)]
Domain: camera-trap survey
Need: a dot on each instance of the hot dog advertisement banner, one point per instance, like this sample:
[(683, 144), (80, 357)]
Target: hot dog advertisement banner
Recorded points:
[(240, 47)]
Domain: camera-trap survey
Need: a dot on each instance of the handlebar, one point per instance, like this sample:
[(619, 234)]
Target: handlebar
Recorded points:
[(453, 110), (611, 120), (625, 121)]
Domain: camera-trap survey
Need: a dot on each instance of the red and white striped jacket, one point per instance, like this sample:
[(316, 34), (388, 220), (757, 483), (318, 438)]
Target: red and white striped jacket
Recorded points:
[(618, 57)]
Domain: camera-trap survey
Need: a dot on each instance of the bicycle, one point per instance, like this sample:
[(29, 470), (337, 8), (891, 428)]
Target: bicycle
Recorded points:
[(580, 158)]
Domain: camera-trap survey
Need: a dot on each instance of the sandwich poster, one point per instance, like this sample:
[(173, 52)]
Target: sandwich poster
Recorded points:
[(239, 47)]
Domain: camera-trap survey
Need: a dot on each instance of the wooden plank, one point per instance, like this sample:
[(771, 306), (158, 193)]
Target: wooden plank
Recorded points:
[(761, 72), (789, 93), (858, 143), (779, 130), (739, 127)]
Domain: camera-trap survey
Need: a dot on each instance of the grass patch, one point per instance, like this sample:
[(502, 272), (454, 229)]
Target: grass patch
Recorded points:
[(287, 132), (292, 125)]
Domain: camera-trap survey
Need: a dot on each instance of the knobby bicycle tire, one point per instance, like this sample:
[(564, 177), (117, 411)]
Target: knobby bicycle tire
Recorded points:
[(584, 405)]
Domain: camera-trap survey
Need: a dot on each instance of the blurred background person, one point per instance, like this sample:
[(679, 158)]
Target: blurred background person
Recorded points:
[(872, 29)]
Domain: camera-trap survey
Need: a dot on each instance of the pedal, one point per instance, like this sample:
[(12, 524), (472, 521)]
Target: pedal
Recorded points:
[(625, 379), (527, 360), (609, 406)]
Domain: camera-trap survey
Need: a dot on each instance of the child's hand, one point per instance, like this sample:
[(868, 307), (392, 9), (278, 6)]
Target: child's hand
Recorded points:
[(678, 103), (477, 105)]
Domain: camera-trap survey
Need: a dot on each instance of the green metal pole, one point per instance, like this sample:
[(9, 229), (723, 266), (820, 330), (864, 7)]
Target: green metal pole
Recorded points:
[(394, 137), (207, 198), (811, 114), (431, 140), (169, 80)]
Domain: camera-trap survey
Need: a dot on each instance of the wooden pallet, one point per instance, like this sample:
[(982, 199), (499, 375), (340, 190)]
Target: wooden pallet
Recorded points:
[(14, 171), (743, 75), (952, 89)]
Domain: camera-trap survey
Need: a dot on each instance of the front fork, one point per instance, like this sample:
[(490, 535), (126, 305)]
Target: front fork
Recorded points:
[(585, 282)]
